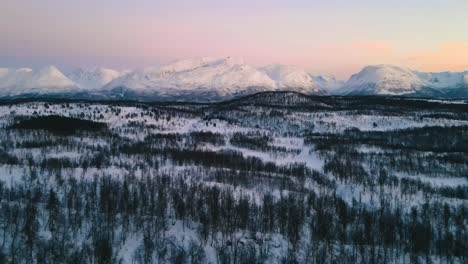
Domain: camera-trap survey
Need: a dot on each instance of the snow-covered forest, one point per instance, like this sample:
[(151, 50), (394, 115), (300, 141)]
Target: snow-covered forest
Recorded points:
[(275, 177)]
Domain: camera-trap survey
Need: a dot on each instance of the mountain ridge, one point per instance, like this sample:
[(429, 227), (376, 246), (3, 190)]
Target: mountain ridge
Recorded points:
[(214, 79), (93, 78)]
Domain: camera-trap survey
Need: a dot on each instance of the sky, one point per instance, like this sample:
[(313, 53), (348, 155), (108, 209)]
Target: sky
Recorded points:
[(334, 37)]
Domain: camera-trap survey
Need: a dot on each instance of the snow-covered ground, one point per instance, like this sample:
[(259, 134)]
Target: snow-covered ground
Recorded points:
[(133, 125)]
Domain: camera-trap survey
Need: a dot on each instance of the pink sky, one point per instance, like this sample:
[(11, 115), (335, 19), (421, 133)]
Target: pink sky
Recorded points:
[(337, 37)]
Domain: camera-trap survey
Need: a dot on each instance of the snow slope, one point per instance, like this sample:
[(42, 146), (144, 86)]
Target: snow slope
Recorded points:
[(190, 64), (328, 83), (289, 77), (48, 80), (444, 80), (93, 78)]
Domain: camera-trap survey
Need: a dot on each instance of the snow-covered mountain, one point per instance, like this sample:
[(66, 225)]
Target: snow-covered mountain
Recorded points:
[(200, 78), (395, 80), (226, 76), (293, 78), (48, 80), (444, 80), (383, 80), (213, 78), (328, 83), (93, 78), (210, 79)]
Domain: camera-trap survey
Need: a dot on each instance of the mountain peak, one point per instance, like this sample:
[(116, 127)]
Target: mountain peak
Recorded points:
[(49, 77), (93, 78), (223, 76), (50, 69), (383, 79), (194, 63), (289, 76), (47, 80), (226, 77)]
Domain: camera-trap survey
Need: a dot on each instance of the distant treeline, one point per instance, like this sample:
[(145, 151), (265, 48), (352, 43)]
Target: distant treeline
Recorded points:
[(436, 138), (58, 124)]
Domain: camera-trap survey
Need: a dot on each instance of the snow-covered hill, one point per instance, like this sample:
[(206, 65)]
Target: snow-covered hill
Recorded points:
[(383, 79), (93, 78), (395, 80), (293, 78), (48, 80)]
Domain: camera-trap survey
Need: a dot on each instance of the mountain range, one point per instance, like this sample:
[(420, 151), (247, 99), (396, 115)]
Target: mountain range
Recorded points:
[(210, 79)]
